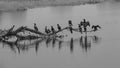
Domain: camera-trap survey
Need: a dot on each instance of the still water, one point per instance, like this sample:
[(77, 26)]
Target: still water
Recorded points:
[(95, 50)]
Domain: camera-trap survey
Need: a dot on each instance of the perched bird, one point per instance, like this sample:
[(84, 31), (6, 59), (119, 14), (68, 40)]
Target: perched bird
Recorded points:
[(35, 27), (47, 30), (70, 23), (88, 23), (52, 29), (70, 26), (71, 30), (80, 28), (59, 27), (95, 27), (84, 20)]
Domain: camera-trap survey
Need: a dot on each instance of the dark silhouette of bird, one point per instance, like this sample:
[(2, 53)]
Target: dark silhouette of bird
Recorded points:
[(70, 26), (88, 23), (95, 27), (71, 30), (80, 28), (70, 23), (84, 20), (35, 27), (52, 29), (59, 27), (47, 30)]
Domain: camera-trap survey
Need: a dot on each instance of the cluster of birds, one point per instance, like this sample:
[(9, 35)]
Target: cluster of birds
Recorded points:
[(47, 31), (82, 25)]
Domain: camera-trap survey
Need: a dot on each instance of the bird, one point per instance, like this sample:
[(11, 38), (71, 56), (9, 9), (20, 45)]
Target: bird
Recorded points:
[(52, 29), (47, 30), (88, 23), (80, 28), (71, 30), (98, 26), (70, 23), (35, 27), (59, 27), (95, 27), (84, 20)]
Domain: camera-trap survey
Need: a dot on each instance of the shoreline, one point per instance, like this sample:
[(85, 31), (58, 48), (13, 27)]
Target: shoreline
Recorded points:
[(24, 5)]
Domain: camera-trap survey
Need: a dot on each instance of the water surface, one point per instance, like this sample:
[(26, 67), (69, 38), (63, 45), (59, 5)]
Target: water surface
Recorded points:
[(95, 50)]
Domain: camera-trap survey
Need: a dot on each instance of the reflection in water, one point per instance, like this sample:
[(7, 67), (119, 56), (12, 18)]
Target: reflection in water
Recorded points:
[(60, 44), (37, 46), (71, 45), (84, 41), (53, 42), (48, 41)]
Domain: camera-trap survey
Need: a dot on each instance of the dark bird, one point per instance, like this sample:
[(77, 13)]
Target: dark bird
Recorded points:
[(52, 29), (84, 20), (95, 27), (80, 28), (47, 30), (70, 23), (70, 26), (59, 27), (35, 27), (88, 23), (71, 30)]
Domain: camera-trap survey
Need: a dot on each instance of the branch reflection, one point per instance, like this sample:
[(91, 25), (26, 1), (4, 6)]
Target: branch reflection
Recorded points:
[(85, 43)]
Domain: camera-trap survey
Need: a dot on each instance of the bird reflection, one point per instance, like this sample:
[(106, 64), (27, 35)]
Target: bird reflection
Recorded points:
[(36, 46), (60, 44), (95, 39), (71, 45), (48, 41), (53, 42), (84, 42)]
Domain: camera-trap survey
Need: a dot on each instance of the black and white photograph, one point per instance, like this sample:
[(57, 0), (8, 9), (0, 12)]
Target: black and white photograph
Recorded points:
[(59, 33)]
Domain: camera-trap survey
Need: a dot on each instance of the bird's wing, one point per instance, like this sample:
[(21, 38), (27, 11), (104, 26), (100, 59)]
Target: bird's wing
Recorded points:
[(92, 26), (98, 26)]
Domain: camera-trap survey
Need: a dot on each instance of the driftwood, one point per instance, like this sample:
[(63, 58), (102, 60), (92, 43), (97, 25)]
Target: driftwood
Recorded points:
[(36, 34), (11, 33), (51, 36)]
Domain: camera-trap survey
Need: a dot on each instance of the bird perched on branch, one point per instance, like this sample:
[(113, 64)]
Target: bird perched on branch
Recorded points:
[(52, 29), (35, 27), (59, 27), (80, 28), (47, 30), (70, 23), (70, 26), (95, 27)]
